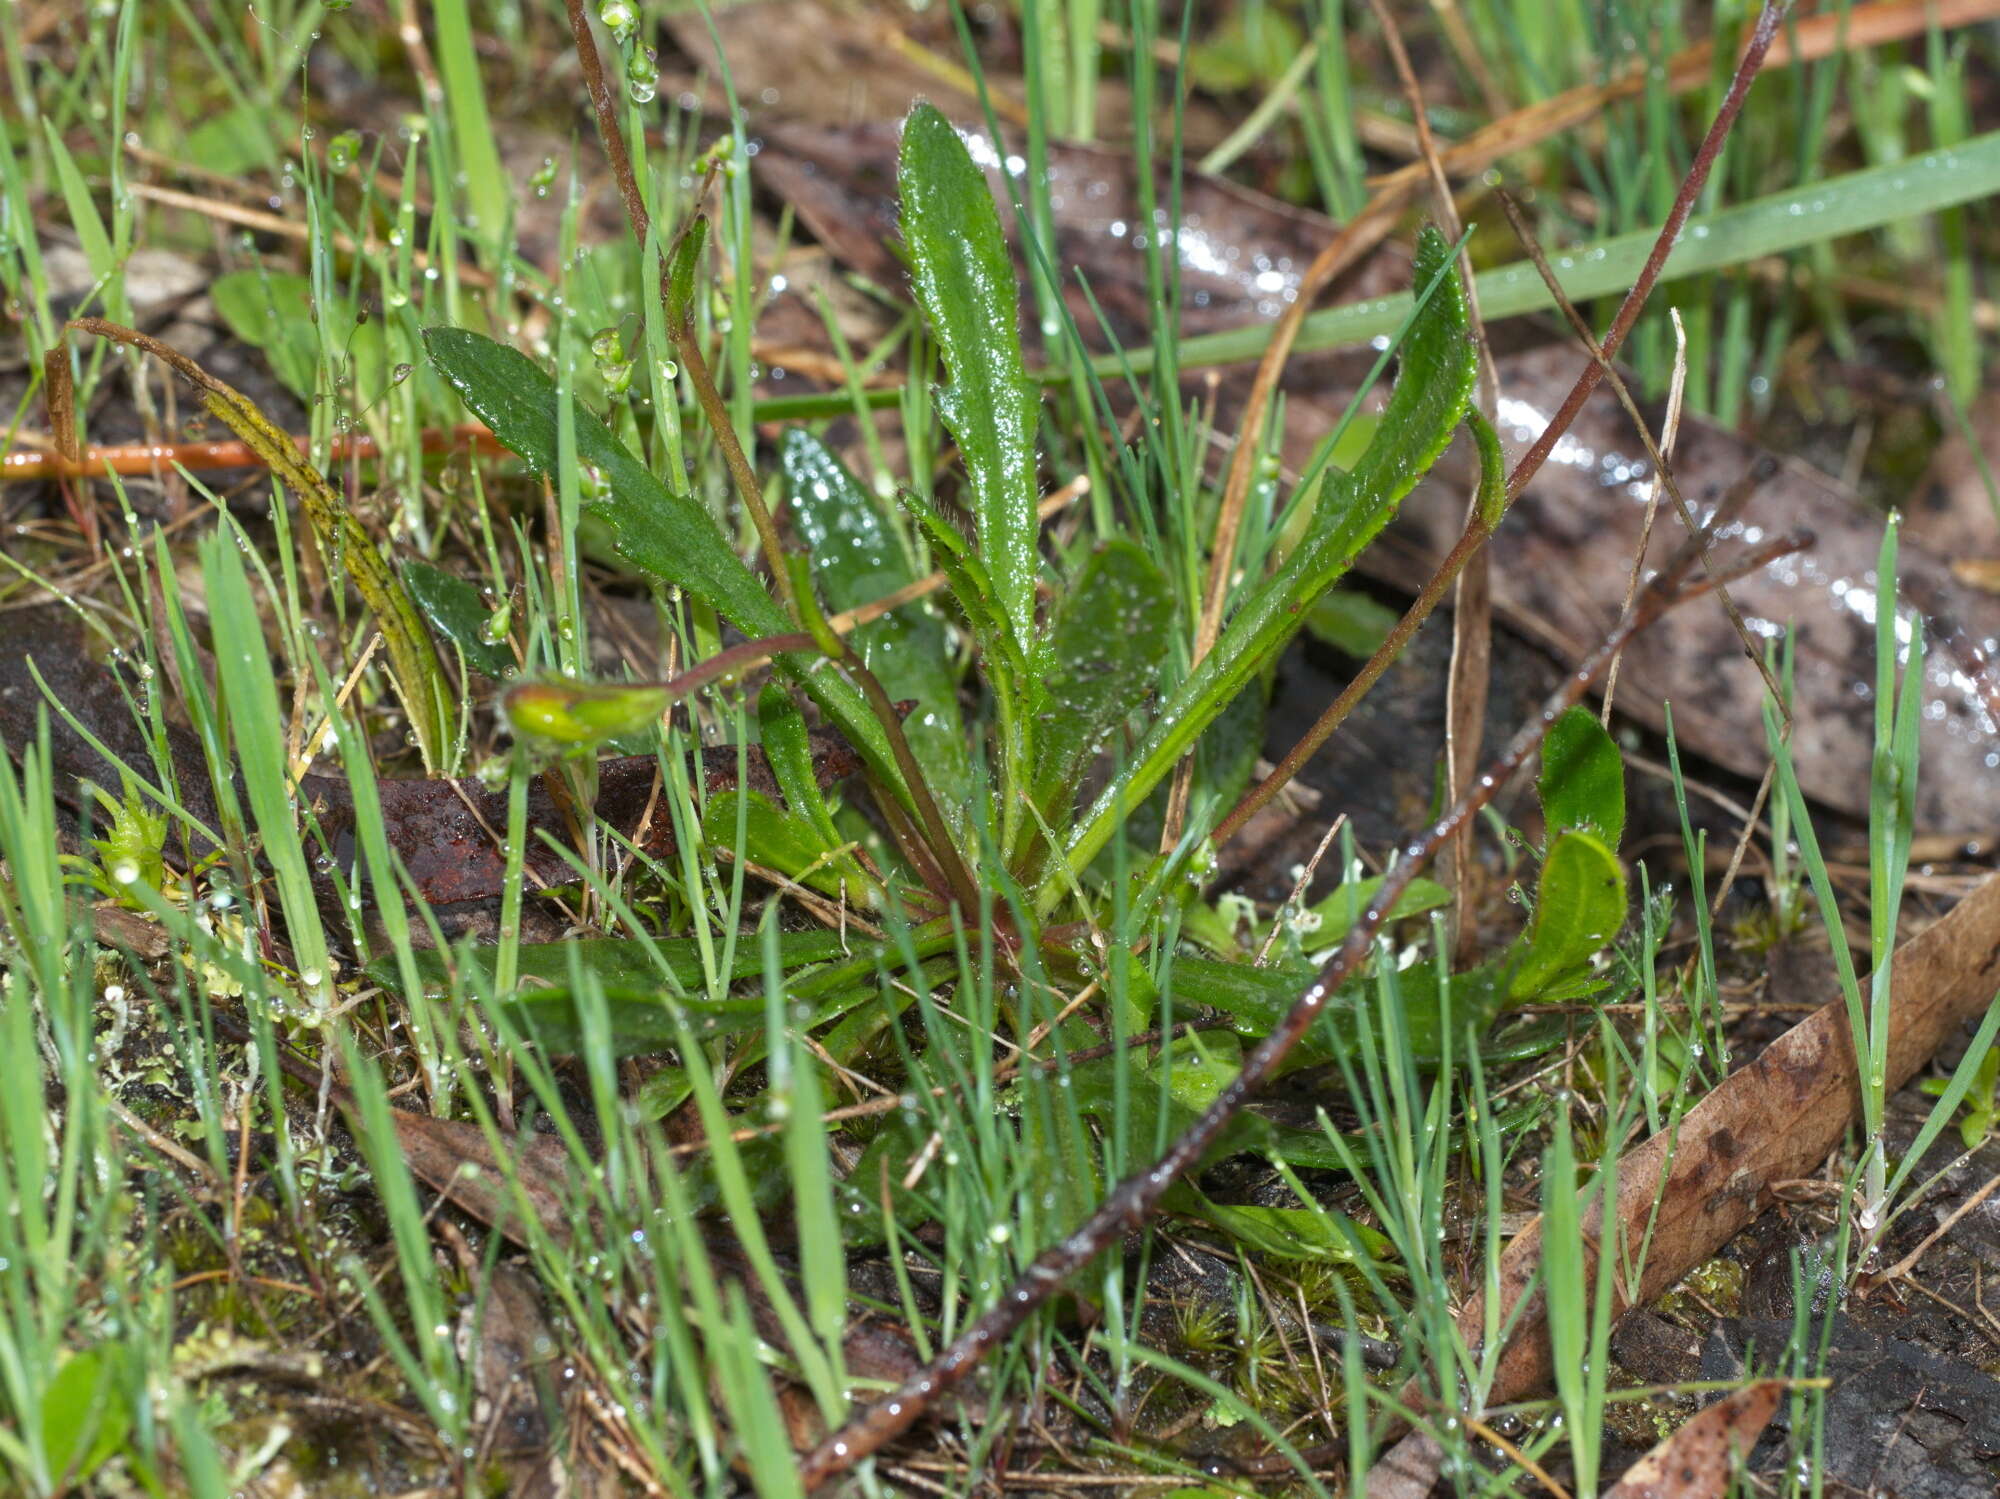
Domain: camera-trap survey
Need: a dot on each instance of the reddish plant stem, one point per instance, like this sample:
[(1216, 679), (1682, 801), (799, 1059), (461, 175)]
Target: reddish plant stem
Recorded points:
[(1628, 312), (142, 458)]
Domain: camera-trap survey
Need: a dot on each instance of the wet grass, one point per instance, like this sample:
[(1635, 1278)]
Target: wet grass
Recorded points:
[(230, 1266)]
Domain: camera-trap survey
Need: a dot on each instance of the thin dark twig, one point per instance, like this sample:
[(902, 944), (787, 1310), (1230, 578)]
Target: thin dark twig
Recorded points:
[(1524, 232), (1628, 312), (1476, 535), (1132, 1202)]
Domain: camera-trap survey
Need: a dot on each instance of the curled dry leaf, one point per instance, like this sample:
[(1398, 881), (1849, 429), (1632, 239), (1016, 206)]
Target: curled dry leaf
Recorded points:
[(1698, 1461)]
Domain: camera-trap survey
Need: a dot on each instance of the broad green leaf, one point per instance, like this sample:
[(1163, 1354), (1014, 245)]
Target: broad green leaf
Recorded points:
[(616, 962), (1335, 914), (856, 561), (274, 311), (234, 142), (456, 611), (658, 530), (1579, 907), (1431, 394), (965, 283), (1101, 659), (85, 1416), (1283, 1233), (1256, 1000), (1582, 784), (641, 1022), (783, 840), (666, 533)]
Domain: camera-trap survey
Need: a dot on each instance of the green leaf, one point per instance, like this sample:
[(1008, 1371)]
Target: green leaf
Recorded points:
[(1256, 1000), (1101, 659), (784, 841), (662, 532), (582, 713), (1579, 907), (85, 1416), (272, 311), (1430, 398), (856, 561), (640, 1023), (456, 611), (1582, 784), (787, 742), (666, 533), (1337, 912), (617, 963), (965, 283), (1283, 1233), (1350, 622), (681, 269)]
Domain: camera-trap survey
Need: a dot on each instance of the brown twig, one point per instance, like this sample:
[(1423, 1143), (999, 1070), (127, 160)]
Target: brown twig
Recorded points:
[(1747, 67), (1132, 1202), (140, 458), (1662, 471)]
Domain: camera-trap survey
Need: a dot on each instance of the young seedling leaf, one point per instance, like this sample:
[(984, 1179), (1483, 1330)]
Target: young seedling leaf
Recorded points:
[(965, 283), (1579, 907), (1582, 784)]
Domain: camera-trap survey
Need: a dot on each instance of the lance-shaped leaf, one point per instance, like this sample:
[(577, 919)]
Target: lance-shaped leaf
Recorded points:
[(663, 533), (1432, 391), (965, 283), (856, 561), (1102, 657)]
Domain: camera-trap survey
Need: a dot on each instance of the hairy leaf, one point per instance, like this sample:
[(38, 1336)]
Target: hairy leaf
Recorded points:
[(1102, 658), (1582, 784), (965, 283), (1579, 907)]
